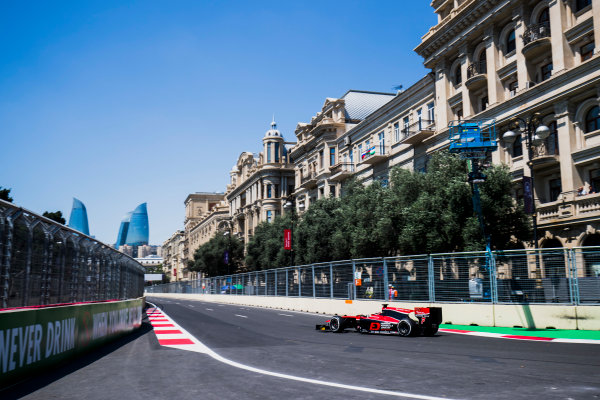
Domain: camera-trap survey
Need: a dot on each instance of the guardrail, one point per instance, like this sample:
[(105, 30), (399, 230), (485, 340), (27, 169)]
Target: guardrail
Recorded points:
[(565, 276), (43, 262)]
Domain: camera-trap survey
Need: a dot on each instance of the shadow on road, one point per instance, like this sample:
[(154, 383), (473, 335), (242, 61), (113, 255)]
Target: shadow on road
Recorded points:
[(43, 379)]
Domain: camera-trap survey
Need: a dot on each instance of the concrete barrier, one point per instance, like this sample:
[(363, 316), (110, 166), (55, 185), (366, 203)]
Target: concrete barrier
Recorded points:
[(533, 316), (37, 339)]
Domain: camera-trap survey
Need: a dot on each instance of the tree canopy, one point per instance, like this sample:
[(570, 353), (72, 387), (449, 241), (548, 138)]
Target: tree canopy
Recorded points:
[(55, 216), (5, 194), (210, 257), (419, 213)]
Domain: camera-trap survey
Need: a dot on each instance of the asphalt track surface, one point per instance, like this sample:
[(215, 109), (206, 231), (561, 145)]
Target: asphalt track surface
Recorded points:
[(444, 366)]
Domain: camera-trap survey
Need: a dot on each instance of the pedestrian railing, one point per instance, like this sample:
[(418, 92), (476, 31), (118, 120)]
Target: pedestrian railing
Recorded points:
[(564, 276), (43, 262)]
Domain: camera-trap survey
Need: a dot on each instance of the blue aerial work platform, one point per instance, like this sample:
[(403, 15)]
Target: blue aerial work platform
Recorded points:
[(473, 139)]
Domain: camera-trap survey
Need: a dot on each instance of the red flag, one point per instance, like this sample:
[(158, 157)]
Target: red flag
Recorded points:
[(287, 239)]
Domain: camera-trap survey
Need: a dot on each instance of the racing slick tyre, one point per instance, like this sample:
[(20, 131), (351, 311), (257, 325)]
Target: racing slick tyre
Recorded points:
[(430, 331), (405, 327), (335, 324)]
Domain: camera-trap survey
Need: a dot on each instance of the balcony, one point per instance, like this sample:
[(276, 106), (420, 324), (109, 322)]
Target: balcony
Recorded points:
[(546, 154), (569, 207), (476, 75), (374, 155), (308, 181), (418, 132), (536, 40), (341, 171)]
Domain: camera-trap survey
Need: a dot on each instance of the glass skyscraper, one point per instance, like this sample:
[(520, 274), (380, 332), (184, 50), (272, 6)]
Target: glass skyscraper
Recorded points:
[(78, 219), (133, 230)]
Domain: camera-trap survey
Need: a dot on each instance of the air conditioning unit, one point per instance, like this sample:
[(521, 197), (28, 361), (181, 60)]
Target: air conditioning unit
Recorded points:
[(530, 84), (347, 141)]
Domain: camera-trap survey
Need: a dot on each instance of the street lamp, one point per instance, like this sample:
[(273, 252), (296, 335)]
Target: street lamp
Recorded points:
[(536, 133)]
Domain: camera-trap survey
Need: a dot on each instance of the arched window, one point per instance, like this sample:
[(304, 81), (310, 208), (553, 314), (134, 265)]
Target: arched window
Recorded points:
[(482, 62), (511, 43), (544, 17), (457, 75), (592, 120)]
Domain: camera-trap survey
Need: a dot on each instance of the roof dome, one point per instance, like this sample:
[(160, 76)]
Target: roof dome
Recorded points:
[(273, 132)]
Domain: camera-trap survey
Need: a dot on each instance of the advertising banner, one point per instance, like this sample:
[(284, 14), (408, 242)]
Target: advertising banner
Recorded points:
[(287, 239), (527, 195), (35, 339)]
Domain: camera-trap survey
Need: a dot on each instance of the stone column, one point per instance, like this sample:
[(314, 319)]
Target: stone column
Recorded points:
[(441, 90), (522, 73), (560, 48), (596, 17), (494, 85), (566, 144), (466, 58)]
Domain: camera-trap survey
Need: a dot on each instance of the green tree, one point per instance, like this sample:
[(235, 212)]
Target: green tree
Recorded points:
[(265, 248), (55, 216), (5, 194), (210, 257)]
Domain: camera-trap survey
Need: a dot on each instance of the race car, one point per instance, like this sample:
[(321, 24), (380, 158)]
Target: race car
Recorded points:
[(391, 320)]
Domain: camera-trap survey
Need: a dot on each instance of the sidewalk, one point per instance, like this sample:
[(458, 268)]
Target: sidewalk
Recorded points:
[(548, 335)]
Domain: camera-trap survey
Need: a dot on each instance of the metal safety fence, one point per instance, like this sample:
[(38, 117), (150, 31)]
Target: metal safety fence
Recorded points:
[(559, 275), (43, 262)]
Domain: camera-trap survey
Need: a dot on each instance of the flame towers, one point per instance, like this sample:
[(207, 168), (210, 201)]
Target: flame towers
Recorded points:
[(133, 230), (78, 219)]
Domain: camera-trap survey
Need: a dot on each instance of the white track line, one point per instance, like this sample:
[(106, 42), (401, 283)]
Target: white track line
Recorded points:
[(200, 347), (241, 316)]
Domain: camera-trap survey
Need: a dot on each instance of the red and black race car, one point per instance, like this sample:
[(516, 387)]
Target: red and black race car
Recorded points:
[(403, 321)]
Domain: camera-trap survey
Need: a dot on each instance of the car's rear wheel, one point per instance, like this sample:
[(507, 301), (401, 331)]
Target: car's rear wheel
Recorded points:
[(335, 324), (405, 327)]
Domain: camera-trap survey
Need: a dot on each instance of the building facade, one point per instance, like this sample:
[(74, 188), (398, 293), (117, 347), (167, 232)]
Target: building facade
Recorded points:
[(198, 206), (260, 184), (505, 60), (316, 152), (175, 262)]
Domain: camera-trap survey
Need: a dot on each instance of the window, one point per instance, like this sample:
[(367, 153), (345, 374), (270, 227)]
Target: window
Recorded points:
[(555, 189), (431, 112), (276, 190), (397, 132), (406, 124), (551, 141), (592, 120), (546, 71), (457, 75), (513, 87), (587, 51), (332, 190), (321, 161), (382, 142), (276, 151), (419, 118), (511, 43), (581, 4), (459, 114), (331, 156), (517, 147), (269, 192), (269, 152), (290, 189), (595, 181), (484, 102), (269, 215)]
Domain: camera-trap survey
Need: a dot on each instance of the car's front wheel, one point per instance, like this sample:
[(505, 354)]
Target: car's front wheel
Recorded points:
[(335, 324)]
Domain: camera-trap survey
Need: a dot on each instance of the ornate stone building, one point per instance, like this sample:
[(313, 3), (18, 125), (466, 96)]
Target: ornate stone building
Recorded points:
[(260, 184), (197, 227), (506, 60), (316, 152)]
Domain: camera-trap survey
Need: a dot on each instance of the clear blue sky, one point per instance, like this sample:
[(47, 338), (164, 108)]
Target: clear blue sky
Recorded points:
[(118, 103)]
